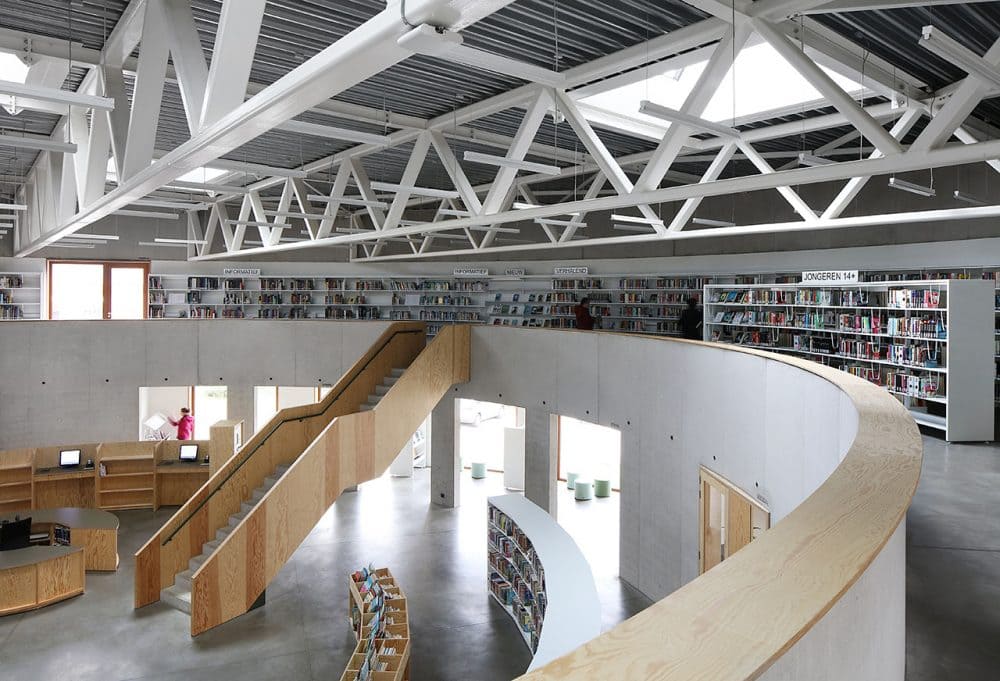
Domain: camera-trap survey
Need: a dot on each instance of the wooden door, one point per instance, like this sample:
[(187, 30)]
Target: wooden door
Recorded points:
[(730, 519)]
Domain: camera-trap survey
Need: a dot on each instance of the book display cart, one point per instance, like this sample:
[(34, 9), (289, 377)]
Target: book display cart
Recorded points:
[(20, 295), (538, 575), (927, 342), (376, 606)]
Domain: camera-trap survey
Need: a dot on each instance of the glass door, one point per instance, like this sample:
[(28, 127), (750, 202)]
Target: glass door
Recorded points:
[(127, 284)]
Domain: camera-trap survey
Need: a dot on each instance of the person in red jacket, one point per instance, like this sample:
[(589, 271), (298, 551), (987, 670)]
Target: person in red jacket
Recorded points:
[(584, 321), (185, 425)]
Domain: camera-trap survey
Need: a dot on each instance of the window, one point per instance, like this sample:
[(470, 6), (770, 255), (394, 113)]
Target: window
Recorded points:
[(209, 406), (270, 399), (97, 290), (590, 450)]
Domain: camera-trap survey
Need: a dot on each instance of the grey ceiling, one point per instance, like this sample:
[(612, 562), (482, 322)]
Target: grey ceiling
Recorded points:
[(556, 34)]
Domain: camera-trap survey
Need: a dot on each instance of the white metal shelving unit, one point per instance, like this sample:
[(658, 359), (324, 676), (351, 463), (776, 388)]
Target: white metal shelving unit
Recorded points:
[(20, 296), (936, 357)]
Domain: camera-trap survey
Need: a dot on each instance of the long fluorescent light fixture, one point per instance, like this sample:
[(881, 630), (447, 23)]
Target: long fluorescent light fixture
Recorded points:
[(561, 223), (207, 187), (164, 240), (521, 205), (37, 143), (331, 132), (959, 55), (160, 245), (147, 214), (675, 116), (812, 160), (499, 230), (642, 229), (968, 198), (504, 162), (455, 212), (62, 245), (297, 216), (636, 219), (102, 237), (419, 191), (348, 201), (712, 223), (13, 206), (913, 188), (56, 95)]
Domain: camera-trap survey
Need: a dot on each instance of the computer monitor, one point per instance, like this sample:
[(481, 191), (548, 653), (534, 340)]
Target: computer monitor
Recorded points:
[(189, 452), (69, 458), (15, 535)]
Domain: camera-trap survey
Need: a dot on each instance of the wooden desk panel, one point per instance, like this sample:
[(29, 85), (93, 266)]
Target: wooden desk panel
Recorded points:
[(65, 489), (38, 576), (175, 484)]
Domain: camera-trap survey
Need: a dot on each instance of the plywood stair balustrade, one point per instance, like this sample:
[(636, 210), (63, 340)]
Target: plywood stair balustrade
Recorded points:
[(353, 448), (279, 443)]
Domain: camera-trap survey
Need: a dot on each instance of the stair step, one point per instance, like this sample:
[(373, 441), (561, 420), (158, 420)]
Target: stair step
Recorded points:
[(381, 389), (374, 399), (224, 532), (183, 579), (196, 562), (210, 546), (281, 469), (396, 373), (389, 382), (177, 597), (367, 407), (235, 518)]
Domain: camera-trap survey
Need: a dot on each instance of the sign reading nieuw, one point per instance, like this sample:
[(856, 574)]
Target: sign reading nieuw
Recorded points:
[(240, 272), (514, 272), (830, 277), (472, 272), (571, 270)]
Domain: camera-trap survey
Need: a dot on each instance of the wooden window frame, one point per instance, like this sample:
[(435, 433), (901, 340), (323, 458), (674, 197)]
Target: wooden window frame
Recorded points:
[(108, 265)]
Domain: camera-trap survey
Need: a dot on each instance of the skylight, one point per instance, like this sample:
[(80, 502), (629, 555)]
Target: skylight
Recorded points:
[(204, 174), (764, 82), (12, 68)]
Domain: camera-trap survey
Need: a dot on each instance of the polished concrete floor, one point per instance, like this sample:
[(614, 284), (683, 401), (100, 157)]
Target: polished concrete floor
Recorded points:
[(953, 623)]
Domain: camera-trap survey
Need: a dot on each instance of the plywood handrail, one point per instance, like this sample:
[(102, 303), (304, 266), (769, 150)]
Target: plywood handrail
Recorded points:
[(352, 449), (737, 619), (282, 440)]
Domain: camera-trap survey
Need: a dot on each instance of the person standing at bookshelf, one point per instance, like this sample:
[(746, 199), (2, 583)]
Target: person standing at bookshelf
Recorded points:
[(584, 321), (185, 425), (691, 320)]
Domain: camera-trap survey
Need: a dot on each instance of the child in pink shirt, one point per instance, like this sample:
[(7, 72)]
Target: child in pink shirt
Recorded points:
[(185, 425)]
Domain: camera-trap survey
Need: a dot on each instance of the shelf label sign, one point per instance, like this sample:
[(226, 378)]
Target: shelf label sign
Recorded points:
[(514, 272), (830, 277), (571, 270), (472, 272), (240, 272)]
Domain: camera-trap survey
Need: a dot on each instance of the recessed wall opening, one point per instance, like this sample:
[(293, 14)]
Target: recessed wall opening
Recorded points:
[(209, 404), (268, 400)]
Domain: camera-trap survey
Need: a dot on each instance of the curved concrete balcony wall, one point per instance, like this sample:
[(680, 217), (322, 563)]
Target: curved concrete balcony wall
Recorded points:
[(821, 595)]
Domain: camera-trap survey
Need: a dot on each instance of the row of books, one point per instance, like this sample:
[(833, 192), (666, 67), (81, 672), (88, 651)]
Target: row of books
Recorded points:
[(919, 298), (691, 283), (898, 381), (11, 281), (379, 620), (899, 298), (574, 284), (927, 355), (653, 298), (449, 316), (11, 312)]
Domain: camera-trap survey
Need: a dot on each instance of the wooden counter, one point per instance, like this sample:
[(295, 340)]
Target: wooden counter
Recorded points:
[(96, 532), (177, 482), (38, 576)]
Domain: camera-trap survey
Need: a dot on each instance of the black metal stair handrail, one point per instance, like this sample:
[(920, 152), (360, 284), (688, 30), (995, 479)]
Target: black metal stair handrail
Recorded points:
[(248, 455)]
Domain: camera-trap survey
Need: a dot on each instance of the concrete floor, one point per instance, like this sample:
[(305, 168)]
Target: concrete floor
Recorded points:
[(439, 556)]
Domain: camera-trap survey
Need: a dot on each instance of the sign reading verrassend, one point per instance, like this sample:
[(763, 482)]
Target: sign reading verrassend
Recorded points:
[(514, 272), (472, 272), (820, 277), (571, 270), (240, 272)]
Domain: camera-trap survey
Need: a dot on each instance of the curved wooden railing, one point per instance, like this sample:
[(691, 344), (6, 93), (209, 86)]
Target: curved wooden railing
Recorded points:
[(352, 449), (736, 620), (285, 437)]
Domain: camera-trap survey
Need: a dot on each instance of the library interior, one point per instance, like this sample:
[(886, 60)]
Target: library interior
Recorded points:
[(482, 340)]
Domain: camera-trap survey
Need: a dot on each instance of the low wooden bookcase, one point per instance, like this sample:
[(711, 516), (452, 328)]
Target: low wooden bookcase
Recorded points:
[(376, 606)]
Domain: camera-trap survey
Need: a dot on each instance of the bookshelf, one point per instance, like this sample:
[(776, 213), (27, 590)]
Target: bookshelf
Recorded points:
[(926, 342), (20, 295), (538, 575), (16, 471), (126, 475), (379, 619)]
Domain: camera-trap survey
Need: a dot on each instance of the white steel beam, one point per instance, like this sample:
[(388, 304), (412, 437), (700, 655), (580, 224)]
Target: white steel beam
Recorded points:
[(533, 117), (330, 132), (333, 205), (689, 206), (694, 104), (146, 97), (407, 182), (38, 143), (232, 58), (820, 80), (787, 193), (55, 95), (843, 6), (364, 183), (456, 173), (856, 184), (186, 55)]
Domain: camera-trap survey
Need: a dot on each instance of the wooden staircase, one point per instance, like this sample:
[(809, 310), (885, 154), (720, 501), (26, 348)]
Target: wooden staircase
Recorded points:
[(215, 557)]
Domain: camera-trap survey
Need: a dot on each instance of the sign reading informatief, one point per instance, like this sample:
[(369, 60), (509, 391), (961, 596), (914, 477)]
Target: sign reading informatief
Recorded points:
[(514, 272), (571, 270), (240, 272), (823, 277), (472, 272)]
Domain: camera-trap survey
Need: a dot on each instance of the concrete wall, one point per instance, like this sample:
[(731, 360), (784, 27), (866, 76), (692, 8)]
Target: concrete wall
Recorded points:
[(66, 382), (775, 431)]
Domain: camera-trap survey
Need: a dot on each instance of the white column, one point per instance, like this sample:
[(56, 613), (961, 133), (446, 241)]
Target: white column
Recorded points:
[(541, 458), (446, 464)]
